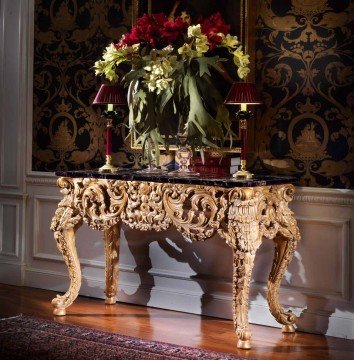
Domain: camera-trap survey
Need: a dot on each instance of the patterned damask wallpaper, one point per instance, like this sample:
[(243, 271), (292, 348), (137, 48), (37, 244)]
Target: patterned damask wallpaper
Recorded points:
[(304, 65), (304, 52), (69, 36)]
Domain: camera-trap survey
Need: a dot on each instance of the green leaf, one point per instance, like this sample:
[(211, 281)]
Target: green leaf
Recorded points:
[(186, 85), (165, 97), (202, 155), (134, 75), (200, 124), (208, 143), (208, 62), (209, 93)]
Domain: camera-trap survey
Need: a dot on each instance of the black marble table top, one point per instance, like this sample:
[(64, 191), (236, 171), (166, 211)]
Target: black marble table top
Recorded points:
[(205, 179)]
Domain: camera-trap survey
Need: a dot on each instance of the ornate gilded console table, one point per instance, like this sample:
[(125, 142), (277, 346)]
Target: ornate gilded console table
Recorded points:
[(241, 211)]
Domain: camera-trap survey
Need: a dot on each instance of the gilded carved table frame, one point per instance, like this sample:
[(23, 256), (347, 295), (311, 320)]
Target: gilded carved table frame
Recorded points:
[(242, 216)]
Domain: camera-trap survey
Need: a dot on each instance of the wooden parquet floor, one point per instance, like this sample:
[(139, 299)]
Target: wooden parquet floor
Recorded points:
[(174, 327)]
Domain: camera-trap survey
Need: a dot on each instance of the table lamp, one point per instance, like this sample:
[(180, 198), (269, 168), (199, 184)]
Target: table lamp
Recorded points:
[(109, 95), (243, 94)]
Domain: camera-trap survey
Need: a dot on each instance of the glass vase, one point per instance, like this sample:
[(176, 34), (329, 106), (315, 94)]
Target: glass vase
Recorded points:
[(184, 155), (151, 167)]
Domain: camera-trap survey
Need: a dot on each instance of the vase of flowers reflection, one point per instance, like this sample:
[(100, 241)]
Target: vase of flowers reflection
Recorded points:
[(171, 91)]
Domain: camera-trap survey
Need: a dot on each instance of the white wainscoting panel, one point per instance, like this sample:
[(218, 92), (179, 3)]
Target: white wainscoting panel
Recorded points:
[(9, 228), (13, 122), (12, 109), (41, 250), (43, 210), (11, 237)]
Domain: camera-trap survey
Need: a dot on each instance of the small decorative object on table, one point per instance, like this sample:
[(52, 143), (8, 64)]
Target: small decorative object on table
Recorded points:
[(150, 158), (171, 82), (184, 156), (214, 163), (109, 95), (243, 93)]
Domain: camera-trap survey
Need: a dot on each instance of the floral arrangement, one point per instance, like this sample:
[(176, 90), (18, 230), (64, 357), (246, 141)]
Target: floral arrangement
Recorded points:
[(170, 84)]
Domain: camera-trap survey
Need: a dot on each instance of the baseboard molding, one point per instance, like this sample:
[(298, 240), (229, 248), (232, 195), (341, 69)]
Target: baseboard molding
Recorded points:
[(11, 273), (341, 197), (213, 304)]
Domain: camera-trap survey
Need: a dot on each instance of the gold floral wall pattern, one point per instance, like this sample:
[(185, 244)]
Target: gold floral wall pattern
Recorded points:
[(304, 52), (69, 36)]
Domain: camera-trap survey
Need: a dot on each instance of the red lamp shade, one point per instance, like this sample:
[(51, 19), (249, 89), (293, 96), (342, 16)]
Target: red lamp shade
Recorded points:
[(243, 93), (110, 94)]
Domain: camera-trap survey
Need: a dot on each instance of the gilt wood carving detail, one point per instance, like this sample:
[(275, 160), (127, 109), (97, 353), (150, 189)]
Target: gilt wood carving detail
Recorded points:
[(241, 216)]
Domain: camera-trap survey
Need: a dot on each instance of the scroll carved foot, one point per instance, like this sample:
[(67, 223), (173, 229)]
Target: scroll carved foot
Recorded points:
[(243, 265), (288, 329), (112, 239), (66, 244), (283, 253)]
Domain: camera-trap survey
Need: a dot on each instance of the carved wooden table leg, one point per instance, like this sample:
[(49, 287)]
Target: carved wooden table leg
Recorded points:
[(66, 221), (243, 235), (112, 239), (283, 253), (65, 238), (280, 225), (242, 271)]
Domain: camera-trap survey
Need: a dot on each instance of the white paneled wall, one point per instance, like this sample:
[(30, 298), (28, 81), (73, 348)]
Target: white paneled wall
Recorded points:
[(13, 120), (159, 269)]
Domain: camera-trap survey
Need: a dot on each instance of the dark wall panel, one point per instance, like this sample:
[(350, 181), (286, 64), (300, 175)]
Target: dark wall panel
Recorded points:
[(69, 37), (304, 55)]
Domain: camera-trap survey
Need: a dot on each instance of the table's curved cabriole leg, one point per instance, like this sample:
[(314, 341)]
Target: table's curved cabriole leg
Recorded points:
[(244, 237), (66, 221), (112, 239), (283, 254), (281, 226), (64, 234)]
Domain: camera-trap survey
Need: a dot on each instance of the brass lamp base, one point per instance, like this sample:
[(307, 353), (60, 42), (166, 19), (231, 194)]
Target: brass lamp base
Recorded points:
[(108, 167), (243, 174)]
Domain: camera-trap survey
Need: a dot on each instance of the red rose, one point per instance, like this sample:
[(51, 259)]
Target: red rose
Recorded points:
[(173, 30), (129, 39), (214, 24), (147, 29), (159, 19), (214, 40)]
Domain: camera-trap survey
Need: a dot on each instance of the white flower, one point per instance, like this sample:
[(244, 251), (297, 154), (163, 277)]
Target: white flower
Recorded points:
[(194, 31), (163, 84), (110, 53), (113, 57), (151, 85), (129, 50), (99, 67), (111, 75), (229, 41), (187, 51), (242, 72), (159, 72), (201, 45), (241, 60), (165, 51)]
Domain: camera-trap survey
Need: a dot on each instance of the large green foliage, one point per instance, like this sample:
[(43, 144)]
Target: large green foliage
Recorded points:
[(192, 106)]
